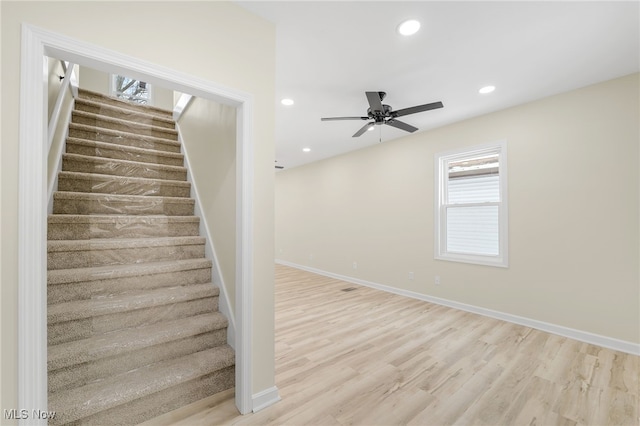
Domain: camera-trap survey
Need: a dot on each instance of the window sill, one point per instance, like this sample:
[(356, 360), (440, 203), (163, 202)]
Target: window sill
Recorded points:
[(499, 262)]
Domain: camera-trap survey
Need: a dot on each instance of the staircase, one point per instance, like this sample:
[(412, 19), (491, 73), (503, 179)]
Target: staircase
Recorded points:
[(133, 324)]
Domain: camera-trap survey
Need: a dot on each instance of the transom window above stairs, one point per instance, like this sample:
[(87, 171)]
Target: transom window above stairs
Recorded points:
[(131, 89)]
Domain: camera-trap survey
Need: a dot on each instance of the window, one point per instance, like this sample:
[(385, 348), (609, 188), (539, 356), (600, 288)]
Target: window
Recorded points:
[(130, 89), (471, 221)]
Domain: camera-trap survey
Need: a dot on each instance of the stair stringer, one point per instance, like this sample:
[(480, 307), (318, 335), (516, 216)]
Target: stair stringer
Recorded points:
[(210, 253)]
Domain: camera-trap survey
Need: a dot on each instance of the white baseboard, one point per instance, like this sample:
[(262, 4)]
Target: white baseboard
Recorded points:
[(583, 336), (265, 398)]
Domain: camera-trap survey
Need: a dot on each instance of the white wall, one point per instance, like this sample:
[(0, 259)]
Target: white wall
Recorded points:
[(208, 132), (573, 209), (176, 35)]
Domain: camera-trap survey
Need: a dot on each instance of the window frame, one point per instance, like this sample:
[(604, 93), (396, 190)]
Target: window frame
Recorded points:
[(114, 92), (441, 161)]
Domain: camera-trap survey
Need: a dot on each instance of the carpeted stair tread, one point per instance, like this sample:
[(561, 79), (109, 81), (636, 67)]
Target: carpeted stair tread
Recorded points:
[(66, 254), (121, 185), (115, 243), (128, 301), (74, 404), (98, 120), (122, 152), (80, 218), (85, 227), (119, 137), (123, 113), (121, 103), (120, 342), (87, 203), (97, 273), (116, 167)]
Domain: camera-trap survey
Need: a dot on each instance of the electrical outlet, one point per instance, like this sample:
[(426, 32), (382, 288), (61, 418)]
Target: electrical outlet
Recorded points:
[(437, 280), (280, 251), (310, 256), (355, 265), (411, 275)]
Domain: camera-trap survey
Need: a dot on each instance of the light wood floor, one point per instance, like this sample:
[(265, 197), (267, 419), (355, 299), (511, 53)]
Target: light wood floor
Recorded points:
[(366, 357)]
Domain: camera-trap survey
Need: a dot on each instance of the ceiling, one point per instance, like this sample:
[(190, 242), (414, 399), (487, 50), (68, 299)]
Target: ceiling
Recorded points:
[(329, 53)]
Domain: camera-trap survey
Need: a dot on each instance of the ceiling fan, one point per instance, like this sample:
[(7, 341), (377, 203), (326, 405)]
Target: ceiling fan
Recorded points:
[(379, 113)]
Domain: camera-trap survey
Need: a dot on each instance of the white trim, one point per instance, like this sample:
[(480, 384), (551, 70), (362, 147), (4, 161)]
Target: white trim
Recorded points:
[(183, 102), (58, 156), (32, 230), (32, 203), (210, 252), (244, 251), (265, 398), (572, 333)]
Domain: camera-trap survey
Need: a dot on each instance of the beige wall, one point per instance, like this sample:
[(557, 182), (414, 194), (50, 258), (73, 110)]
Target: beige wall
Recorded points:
[(98, 81), (94, 80), (245, 61), (208, 132), (573, 212)]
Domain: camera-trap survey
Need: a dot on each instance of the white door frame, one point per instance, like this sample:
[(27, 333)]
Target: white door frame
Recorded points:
[(32, 202)]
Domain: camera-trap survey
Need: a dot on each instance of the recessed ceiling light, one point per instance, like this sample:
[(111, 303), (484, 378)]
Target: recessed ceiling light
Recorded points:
[(487, 89), (306, 149), (287, 102), (409, 27)]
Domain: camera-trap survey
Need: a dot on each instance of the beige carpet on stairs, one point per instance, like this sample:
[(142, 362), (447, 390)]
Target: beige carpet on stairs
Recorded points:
[(133, 323)]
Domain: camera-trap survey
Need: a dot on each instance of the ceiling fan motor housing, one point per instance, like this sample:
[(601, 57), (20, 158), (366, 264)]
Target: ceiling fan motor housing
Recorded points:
[(379, 116)]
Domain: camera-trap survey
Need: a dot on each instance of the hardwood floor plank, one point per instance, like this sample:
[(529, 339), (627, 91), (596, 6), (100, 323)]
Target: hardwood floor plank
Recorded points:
[(366, 357)]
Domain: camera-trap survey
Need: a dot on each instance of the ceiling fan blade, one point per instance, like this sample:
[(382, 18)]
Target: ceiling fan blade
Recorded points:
[(415, 109), (343, 118), (401, 125), (362, 130), (374, 101)]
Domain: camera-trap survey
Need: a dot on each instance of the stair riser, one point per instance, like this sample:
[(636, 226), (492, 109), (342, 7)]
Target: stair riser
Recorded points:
[(83, 290), (120, 229), (124, 126), (122, 256), (124, 114), (114, 168), (160, 188), (160, 402), (85, 328), (124, 104), (144, 207), (79, 375), (138, 141), (122, 154)]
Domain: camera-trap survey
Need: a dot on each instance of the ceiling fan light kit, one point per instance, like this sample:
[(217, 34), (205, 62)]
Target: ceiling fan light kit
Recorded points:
[(408, 27), (379, 114)]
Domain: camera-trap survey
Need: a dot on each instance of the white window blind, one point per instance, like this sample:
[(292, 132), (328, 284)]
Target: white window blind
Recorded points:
[(473, 229)]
